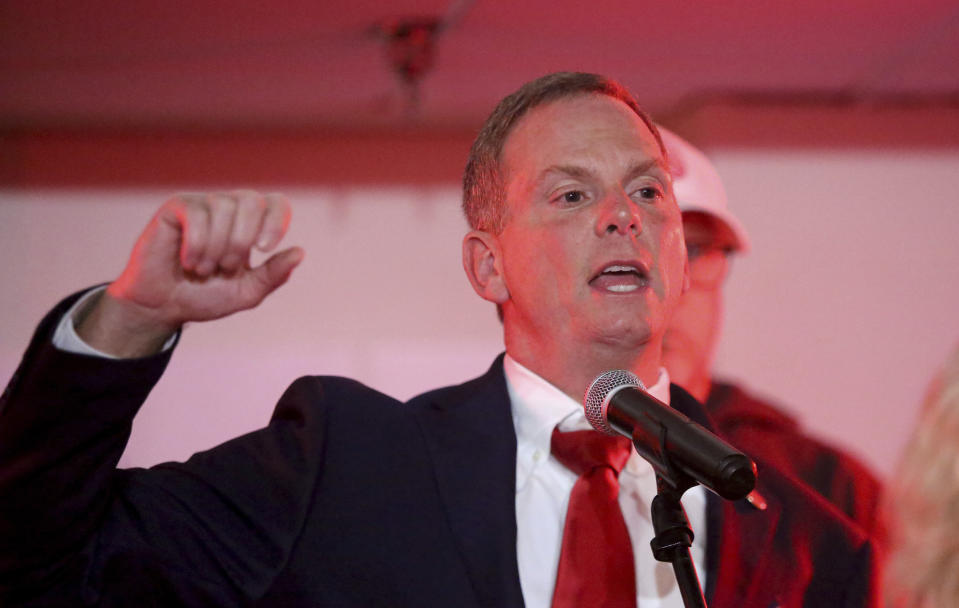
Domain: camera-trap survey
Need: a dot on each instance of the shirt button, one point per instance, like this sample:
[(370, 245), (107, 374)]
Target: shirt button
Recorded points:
[(538, 455)]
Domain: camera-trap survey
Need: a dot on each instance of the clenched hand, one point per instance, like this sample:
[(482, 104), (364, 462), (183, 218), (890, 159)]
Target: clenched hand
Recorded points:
[(191, 263)]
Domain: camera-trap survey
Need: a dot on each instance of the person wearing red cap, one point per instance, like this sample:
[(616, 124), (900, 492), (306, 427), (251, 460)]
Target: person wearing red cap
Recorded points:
[(762, 430)]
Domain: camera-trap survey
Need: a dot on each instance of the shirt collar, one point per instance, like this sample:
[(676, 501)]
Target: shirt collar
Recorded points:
[(537, 407)]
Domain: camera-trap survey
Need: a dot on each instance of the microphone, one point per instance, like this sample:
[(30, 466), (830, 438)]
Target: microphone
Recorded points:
[(678, 448)]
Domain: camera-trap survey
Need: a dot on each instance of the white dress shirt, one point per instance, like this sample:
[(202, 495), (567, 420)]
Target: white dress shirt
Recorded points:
[(543, 486)]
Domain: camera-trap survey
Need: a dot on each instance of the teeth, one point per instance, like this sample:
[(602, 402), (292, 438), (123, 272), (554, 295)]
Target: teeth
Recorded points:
[(620, 269), (621, 278)]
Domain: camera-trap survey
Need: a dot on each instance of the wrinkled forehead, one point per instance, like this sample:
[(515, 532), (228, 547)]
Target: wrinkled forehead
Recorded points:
[(586, 126)]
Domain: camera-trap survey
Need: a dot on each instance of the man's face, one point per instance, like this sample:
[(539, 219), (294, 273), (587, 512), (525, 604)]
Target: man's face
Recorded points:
[(592, 251), (695, 327)]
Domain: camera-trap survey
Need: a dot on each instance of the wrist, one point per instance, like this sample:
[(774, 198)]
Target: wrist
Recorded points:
[(121, 328)]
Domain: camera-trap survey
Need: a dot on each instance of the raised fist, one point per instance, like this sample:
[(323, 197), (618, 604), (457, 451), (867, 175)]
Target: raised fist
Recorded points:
[(191, 263)]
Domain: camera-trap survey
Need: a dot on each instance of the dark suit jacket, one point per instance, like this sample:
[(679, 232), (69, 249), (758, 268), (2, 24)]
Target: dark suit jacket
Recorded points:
[(347, 498)]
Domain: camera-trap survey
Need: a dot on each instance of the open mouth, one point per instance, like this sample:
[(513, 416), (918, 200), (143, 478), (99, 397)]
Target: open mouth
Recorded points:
[(621, 278)]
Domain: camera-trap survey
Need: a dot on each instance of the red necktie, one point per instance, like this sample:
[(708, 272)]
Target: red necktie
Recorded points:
[(596, 560)]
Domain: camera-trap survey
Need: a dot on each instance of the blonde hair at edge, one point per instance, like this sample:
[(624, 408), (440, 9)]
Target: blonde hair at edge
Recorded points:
[(923, 504)]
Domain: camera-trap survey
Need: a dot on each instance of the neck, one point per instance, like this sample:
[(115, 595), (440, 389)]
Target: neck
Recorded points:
[(572, 368), (699, 386)]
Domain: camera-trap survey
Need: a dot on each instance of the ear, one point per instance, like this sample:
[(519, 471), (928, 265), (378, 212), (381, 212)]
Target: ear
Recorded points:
[(483, 263)]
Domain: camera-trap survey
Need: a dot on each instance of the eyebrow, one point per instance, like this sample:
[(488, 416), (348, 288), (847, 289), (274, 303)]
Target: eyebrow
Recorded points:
[(646, 166), (580, 172)]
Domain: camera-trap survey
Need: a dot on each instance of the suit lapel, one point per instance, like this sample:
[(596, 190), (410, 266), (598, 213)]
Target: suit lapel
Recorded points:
[(739, 535), (469, 432)]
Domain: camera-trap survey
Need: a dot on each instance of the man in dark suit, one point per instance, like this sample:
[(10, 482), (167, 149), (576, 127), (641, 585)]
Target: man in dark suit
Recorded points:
[(349, 498)]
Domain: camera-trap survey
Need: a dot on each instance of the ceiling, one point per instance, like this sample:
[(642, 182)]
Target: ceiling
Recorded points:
[(326, 63)]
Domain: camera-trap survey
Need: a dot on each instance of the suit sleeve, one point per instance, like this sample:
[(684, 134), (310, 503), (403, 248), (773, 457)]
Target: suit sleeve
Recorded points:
[(76, 531)]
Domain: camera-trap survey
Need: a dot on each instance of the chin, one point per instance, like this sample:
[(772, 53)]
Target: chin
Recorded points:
[(627, 336)]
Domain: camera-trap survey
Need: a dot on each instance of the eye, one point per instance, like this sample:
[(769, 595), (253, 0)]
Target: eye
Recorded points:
[(571, 197), (650, 193)]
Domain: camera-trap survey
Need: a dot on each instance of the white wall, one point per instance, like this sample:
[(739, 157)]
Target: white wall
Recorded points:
[(841, 313), (380, 297), (847, 304)]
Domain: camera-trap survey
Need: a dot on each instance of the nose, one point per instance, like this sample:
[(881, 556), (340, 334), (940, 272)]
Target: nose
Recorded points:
[(618, 215)]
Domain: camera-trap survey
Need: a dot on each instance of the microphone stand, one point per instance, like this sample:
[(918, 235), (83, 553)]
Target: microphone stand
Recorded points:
[(674, 537), (673, 534), (698, 452)]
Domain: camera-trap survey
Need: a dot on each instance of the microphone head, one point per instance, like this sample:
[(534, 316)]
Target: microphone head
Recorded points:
[(601, 391)]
